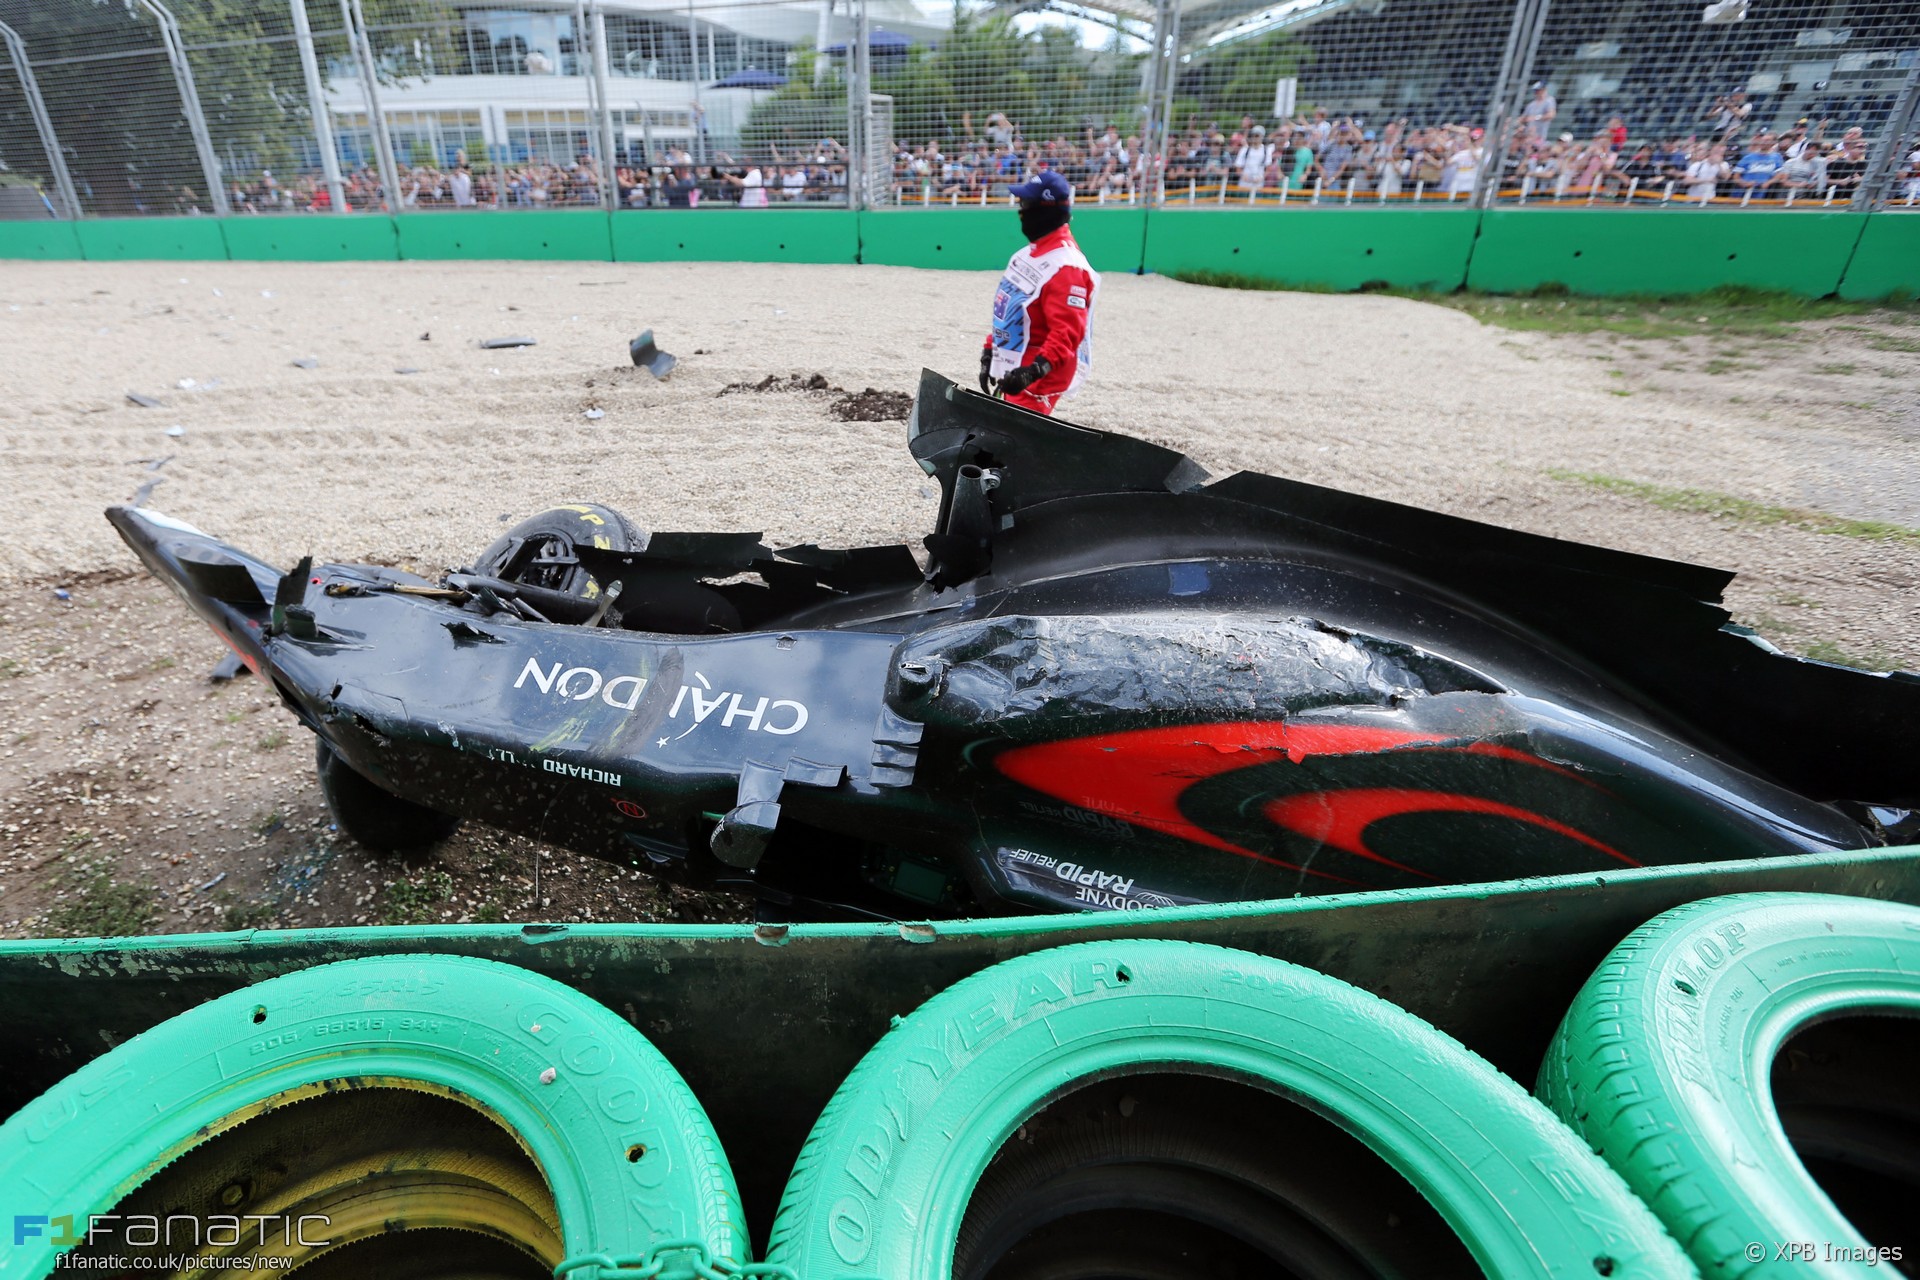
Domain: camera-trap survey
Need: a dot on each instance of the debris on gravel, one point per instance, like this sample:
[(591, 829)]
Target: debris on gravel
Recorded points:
[(646, 355), (872, 406), (775, 382)]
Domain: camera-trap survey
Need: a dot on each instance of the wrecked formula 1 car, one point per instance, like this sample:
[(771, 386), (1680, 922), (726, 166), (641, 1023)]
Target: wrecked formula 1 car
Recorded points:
[(1113, 685)]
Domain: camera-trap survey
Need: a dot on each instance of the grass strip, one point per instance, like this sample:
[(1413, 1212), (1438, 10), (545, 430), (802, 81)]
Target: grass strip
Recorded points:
[(1729, 310), (1726, 506)]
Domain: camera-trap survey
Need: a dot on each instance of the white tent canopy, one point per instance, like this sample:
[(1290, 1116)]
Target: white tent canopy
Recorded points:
[(1202, 22)]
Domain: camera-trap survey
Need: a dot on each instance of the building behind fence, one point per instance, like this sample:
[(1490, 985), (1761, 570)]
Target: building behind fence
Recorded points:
[(158, 107)]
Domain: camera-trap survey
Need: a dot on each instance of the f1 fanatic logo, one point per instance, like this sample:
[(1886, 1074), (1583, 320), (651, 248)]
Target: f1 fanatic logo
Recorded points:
[(693, 704), (145, 1230)]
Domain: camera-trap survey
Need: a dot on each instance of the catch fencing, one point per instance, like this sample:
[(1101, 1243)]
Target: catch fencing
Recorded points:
[(234, 107)]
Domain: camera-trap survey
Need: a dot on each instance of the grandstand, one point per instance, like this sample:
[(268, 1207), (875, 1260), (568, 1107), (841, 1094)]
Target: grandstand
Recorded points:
[(1654, 63)]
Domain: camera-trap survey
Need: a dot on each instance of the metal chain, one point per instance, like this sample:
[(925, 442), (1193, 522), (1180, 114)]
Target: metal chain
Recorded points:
[(669, 1260)]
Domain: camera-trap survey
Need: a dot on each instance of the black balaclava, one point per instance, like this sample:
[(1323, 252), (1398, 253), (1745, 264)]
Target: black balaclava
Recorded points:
[(1041, 218)]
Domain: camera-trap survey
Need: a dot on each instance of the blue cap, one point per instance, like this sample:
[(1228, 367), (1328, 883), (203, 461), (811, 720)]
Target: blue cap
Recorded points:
[(1047, 187)]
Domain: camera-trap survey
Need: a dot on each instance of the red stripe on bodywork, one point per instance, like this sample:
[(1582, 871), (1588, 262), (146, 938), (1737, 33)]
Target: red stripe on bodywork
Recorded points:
[(1341, 818), (1139, 776)]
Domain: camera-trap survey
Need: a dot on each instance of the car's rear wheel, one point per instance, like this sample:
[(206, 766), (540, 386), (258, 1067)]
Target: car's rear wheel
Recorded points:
[(372, 815)]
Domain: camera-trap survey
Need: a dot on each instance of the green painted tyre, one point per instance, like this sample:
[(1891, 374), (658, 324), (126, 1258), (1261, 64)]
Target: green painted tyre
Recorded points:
[(473, 1100), (885, 1180), (1667, 1064)]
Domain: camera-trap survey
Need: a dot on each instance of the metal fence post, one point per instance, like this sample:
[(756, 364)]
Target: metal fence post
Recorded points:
[(1497, 101), (317, 96), (1886, 153), (176, 49), (858, 117), (699, 110), (42, 122), (369, 85), (598, 113), (602, 77), (1157, 179), (864, 73), (583, 68), (823, 34), (1151, 90), (860, 63), (1516, 68)]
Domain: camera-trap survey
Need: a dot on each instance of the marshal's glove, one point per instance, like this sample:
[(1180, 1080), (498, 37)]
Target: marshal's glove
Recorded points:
[(1025, 376), (986, 371)]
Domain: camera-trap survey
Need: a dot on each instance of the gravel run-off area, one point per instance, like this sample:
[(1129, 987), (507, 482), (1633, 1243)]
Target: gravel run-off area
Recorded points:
[(137, 796)]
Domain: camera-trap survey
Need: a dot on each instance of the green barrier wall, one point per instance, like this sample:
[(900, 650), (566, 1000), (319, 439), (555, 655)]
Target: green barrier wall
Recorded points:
[(127, 239), (983, 239), (765, 1033), (571, 235), (1603, 251), (1887, 260), (1322, 248), (1590, 251), (336, 238), (736, 235), (48, 239)]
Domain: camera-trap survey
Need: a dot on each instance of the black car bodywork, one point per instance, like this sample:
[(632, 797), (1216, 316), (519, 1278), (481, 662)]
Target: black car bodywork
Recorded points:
[(1113, 685)]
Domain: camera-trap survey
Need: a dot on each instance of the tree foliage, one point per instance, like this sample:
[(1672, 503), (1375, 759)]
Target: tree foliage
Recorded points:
[(1238, 79), (1043, 80), (119, 118)]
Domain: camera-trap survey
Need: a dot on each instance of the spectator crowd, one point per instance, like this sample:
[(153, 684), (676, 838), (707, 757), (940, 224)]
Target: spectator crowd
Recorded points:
[(1728, 157), (1313, 153), (671, 178), (1315, 156), (1322, 157)]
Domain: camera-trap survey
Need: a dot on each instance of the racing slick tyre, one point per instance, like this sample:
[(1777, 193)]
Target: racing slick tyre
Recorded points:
[(917, 1170), (372, 815), (372, 1113), (539, 550), (1746, 1064)]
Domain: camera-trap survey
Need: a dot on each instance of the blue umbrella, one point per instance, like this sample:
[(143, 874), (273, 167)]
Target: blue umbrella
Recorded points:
[(751, 78), (888, 41)]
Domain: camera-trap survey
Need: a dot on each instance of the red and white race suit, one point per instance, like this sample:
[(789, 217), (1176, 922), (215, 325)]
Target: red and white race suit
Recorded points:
[(1044, 307)]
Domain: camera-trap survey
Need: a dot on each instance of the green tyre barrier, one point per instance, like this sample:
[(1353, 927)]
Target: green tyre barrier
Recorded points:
[(883, 1184), (619, 1140), (1664, 1060)]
